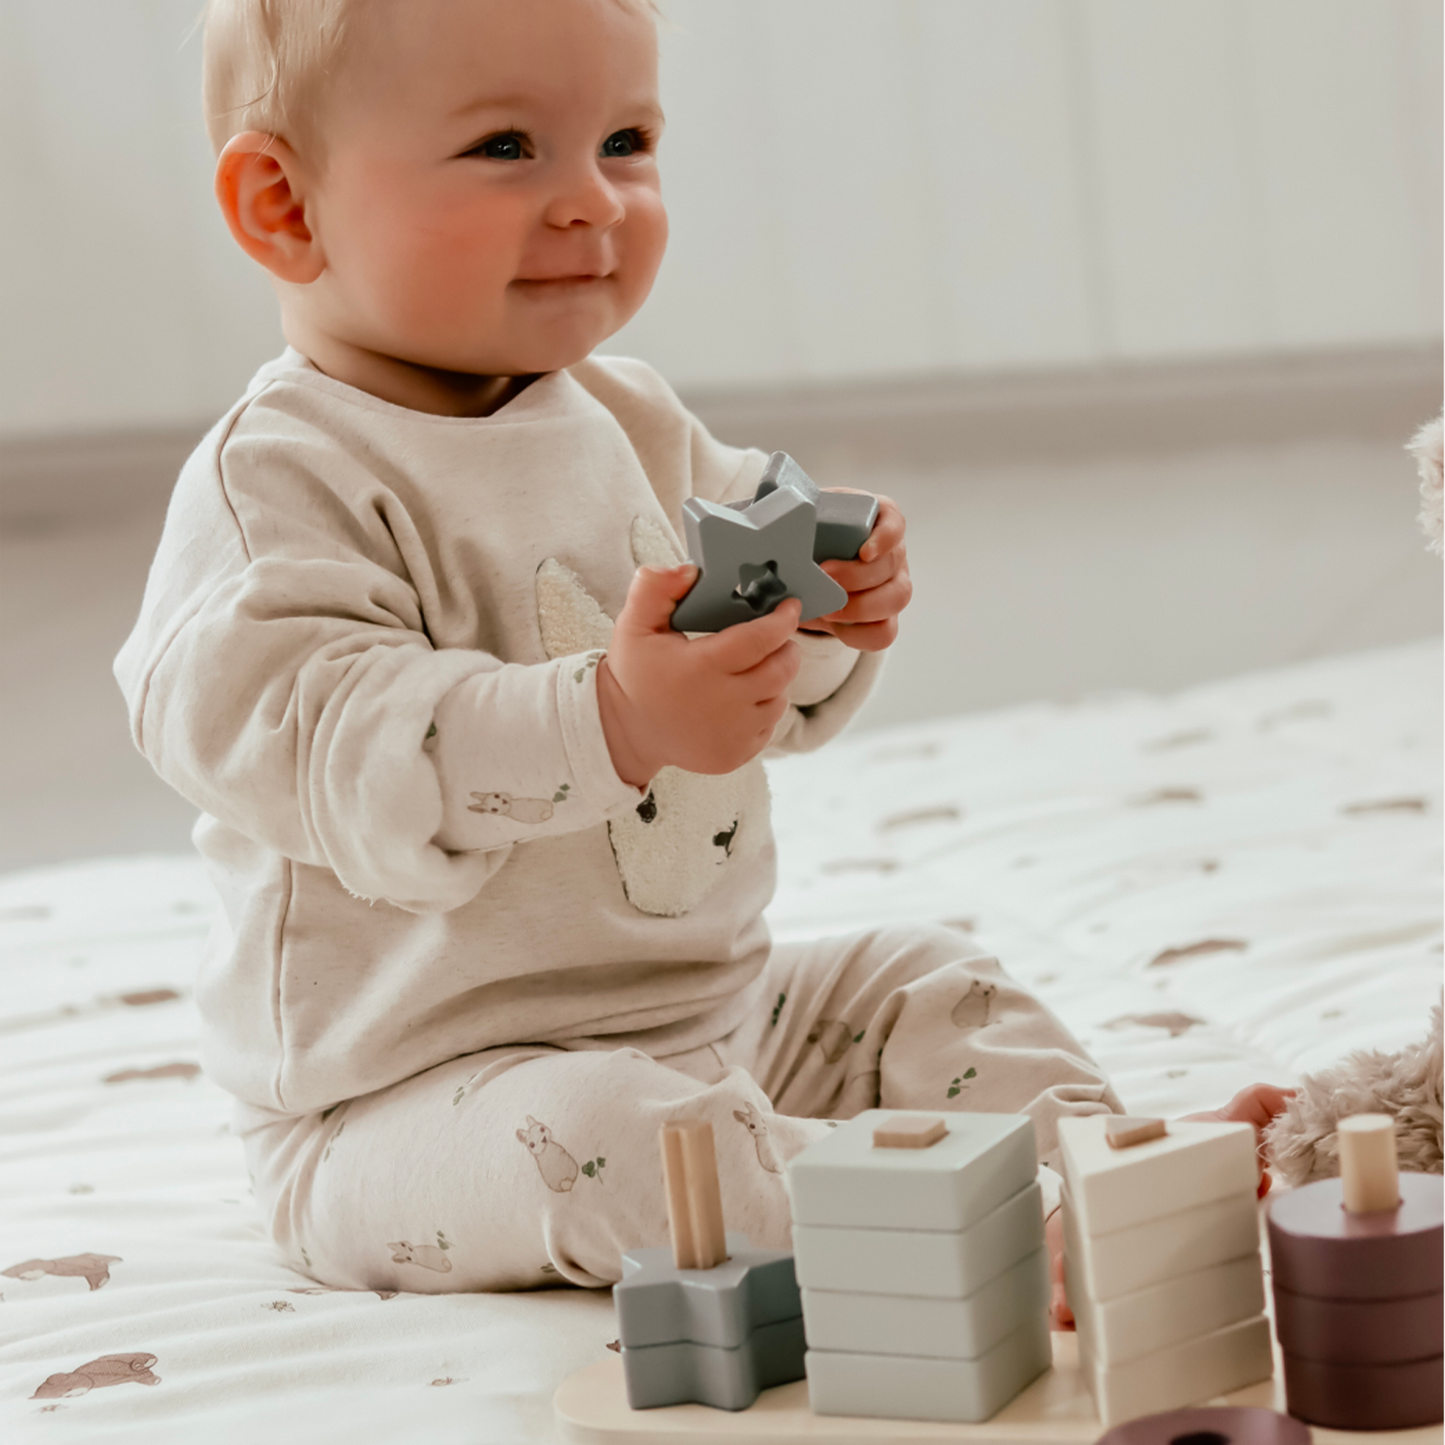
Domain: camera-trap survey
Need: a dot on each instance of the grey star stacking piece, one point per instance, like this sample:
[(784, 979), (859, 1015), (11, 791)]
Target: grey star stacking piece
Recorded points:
[(657, 1303), (844, 518), (714, 1336), (752, 555), (712, 1320)]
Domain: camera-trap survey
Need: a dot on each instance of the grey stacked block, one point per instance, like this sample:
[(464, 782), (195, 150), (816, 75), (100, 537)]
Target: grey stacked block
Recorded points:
[(924, 1273), (753, 555), (711, 1336)]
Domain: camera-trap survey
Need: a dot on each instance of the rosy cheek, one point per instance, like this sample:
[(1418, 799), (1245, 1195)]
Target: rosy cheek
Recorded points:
[(646, 225), (455, 257)]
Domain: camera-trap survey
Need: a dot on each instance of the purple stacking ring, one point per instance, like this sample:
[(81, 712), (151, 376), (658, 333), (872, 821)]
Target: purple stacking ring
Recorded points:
[(1210, 1425)]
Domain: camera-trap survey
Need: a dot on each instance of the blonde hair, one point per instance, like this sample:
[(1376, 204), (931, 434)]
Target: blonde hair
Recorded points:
[(264, 65)]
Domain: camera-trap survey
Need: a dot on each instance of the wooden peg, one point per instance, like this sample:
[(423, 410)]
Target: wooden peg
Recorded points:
[(1369, 1169), (694, 1198), (909, 1131), (1122, 1132)]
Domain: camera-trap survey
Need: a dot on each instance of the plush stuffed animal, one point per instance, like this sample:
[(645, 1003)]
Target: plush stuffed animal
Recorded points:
[(1302, 1141), (1426, 446), (1408, 1084)]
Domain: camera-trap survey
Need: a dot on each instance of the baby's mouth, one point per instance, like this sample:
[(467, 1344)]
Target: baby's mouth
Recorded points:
[(547, 284)]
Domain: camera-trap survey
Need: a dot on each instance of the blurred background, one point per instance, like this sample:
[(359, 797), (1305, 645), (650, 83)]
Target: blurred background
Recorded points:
[(1132, 305)]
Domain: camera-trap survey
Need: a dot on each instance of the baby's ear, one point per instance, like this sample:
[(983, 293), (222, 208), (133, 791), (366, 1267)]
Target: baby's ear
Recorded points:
[(261, 185)]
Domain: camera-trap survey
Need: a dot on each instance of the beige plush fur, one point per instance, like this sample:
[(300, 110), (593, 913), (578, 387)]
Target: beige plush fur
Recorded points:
[(1426, 447), (1408, 1084)]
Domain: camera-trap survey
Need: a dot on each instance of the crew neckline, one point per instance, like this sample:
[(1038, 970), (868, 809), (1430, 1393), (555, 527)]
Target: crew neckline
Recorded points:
[(296, 366)]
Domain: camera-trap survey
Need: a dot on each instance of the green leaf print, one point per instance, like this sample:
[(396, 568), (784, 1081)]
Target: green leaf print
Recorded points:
[(305, 1258), (593, 1168), (459, 1095), (442, 1241), (778, 1008), (563, 792), (858, 1038), (960, 1083), (331, 1142), (593, 658), (431, 732)]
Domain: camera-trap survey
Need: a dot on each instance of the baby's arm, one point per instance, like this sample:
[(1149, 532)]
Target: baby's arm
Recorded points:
[(281, 678)]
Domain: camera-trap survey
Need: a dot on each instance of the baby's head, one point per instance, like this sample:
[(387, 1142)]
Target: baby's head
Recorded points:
[(461, 186)]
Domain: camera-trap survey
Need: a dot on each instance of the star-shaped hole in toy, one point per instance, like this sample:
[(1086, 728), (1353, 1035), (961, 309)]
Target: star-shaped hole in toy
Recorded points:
[(760, 587)]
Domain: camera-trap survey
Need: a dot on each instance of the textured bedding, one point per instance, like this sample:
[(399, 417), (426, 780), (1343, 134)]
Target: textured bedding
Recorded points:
[(1238, 883)]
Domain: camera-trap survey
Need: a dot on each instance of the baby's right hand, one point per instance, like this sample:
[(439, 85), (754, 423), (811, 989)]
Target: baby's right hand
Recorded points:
[(706, 704)]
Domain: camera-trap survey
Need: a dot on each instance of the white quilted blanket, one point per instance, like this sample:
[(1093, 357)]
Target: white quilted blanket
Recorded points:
[(1241, 882)]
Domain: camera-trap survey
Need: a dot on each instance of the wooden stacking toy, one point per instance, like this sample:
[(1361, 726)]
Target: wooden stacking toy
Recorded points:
[(920, 1249), (1161, 1261), (1357, 1288), (753, 554), (710, 1321)]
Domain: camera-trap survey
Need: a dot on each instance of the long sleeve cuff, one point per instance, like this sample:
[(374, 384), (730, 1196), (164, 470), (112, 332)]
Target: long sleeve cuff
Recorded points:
[(826, 666), (520, 753)]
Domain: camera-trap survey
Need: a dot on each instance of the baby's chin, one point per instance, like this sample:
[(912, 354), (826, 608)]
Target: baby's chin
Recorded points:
[(537, 351)]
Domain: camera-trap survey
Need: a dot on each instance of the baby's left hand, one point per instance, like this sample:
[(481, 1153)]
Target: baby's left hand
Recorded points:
[(1258, 1105), (876, 582)]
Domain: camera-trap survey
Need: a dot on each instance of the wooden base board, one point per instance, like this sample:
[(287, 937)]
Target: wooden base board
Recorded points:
[(591, 1409)]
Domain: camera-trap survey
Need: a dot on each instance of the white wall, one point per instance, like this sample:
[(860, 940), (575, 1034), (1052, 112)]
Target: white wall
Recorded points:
[(858, 188)]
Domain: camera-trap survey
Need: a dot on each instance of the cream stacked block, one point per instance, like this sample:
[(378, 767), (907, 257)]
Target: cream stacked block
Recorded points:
[(1161, 1264), (925, 1281)]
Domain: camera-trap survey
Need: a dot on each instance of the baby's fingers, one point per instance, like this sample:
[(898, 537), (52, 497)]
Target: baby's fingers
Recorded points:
[(652, 597), (887, 533), (876, 604), (860, 576), (771, 677), (736, 649)]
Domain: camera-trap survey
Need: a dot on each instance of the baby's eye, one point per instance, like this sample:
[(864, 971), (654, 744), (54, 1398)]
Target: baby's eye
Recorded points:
[(624, 143), (509, 145)]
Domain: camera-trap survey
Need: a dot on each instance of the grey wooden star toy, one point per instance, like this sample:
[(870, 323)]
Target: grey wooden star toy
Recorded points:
[(752, 555), (711, 1336), (711, 1321)]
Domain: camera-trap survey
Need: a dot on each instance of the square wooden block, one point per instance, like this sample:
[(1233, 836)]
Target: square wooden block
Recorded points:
[(901, 1387), (841, 1180), (934, 1264), (957, 1329)]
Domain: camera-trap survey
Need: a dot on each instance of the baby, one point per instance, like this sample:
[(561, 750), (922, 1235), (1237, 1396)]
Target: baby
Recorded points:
[(492, 839)]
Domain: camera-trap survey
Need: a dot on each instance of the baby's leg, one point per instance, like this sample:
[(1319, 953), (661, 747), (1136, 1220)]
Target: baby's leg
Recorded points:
[(911, 1018), (506, 1170)]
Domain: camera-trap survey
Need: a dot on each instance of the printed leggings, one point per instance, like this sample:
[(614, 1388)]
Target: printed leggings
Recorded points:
[(522, 1166)]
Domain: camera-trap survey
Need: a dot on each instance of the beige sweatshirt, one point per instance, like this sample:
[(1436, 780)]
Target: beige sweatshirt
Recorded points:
[(367, 652)]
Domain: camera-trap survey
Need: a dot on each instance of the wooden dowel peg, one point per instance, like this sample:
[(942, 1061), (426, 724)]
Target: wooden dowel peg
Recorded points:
[(694, 1197), (679, 1216), (1369, 1170)]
